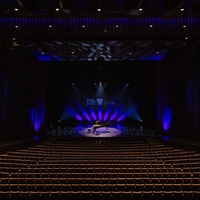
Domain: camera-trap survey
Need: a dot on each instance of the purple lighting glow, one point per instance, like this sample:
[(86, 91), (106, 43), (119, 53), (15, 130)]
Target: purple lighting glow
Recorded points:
[(100, 107), (78, 117), (87, 116), (121, 117), (167, 118), (106, 116), (100, 114), (37, 118), (114, 115), (107, 113), (93, 115)]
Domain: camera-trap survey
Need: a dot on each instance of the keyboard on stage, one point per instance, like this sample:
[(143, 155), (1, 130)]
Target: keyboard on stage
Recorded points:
[(99, 124)]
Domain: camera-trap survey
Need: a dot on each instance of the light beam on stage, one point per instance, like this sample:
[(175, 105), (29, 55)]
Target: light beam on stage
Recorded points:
[(89, 108), (167, 118), (120, 118), (105, 118)]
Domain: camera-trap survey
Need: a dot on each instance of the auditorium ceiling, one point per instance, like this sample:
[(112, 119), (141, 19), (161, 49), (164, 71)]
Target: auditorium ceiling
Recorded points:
[(100, 50), (101, 30)]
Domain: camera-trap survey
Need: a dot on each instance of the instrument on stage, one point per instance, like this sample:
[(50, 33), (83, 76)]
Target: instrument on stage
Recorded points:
[(99, 124)]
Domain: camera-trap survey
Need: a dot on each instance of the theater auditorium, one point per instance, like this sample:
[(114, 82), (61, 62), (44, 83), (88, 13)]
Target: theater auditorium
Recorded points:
[(100, 99)]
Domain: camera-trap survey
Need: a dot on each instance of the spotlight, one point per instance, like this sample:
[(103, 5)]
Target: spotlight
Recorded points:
[(60, 4), (104, 85), (20, 4)]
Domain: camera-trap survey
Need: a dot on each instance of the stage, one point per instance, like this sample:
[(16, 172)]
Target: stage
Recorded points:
[(82, 131), (100, 132)]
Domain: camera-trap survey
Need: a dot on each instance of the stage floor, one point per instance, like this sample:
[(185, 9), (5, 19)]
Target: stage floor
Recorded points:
[(80, 131), (100, 132)]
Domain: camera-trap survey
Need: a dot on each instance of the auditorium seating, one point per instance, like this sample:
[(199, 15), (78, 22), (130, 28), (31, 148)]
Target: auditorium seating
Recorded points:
[(106, 169)]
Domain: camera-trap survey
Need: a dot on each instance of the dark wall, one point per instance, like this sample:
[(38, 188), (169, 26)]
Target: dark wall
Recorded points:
[(179, 90), (18, 91)]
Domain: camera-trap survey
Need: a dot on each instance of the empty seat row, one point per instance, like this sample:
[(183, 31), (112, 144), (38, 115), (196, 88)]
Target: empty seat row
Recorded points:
[(19, 175), (98, 194), (99, 186), (104, 169), (100, 180)]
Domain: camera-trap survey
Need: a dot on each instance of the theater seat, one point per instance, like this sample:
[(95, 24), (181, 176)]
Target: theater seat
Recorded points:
[(126, 194)]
